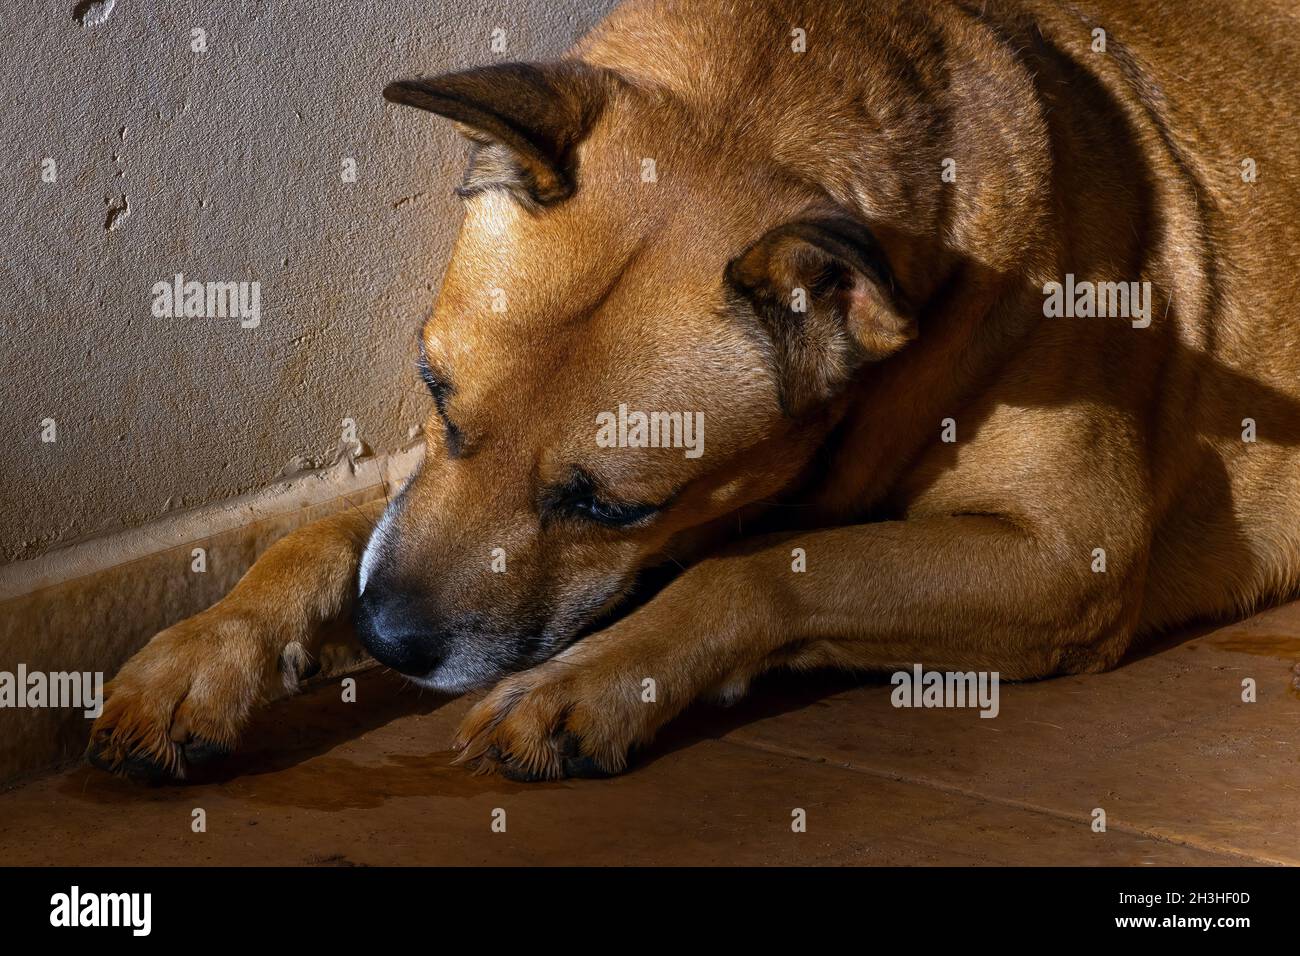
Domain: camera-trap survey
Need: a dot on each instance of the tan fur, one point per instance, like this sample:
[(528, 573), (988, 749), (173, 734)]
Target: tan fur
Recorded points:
[(198, 681), (1073, 434)]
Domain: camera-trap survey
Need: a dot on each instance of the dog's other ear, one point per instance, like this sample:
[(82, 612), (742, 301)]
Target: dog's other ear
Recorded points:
[(524, 118), (824, 292)]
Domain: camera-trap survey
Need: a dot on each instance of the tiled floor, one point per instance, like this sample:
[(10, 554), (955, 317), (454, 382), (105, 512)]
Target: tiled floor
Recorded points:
[(1185, 771)]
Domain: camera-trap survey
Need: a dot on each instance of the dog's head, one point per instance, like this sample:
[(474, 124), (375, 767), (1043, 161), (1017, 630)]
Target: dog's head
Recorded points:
[(644, 329)]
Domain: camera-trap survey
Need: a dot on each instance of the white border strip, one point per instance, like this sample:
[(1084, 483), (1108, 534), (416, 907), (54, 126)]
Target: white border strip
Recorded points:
[(207, 521)]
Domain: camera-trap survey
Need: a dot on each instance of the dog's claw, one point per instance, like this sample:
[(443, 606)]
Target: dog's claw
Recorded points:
[(518, 772), (198, 751), (570, 762), (575, 763), (192, 753), (572, 765), (133, 766)]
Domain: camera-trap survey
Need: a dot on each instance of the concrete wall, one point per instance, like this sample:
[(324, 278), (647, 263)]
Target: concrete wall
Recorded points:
[(223, 165)]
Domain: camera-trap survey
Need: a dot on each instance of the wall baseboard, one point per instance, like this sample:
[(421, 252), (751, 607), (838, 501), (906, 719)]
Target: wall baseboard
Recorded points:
[(91, 606)]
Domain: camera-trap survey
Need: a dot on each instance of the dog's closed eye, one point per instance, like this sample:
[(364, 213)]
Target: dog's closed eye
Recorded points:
[(614, 514), (437, 383), (579, 498), (440, 388)]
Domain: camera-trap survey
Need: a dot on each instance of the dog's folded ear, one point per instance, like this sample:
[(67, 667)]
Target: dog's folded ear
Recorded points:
[(525, 120), (823, 290)]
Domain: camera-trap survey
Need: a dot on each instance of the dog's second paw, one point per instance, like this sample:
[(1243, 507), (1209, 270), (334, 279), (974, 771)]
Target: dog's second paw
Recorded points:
[(557, 720), (182, 700)]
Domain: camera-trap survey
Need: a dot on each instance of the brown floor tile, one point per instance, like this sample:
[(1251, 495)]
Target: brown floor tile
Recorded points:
[(1164, 744)]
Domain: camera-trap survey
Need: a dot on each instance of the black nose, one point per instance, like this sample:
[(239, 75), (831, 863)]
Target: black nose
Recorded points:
[(395, 634)]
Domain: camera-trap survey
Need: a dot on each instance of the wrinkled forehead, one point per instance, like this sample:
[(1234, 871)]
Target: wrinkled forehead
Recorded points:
[(642, 194), (515, 267), (614, 297), (539, 336), (651, 344)]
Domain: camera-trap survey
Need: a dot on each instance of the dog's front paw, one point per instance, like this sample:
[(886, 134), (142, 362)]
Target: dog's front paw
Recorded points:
[(182, 700), (557, 720)]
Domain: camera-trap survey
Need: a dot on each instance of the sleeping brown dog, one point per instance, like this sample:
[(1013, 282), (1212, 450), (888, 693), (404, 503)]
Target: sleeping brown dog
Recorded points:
[(957, 333)]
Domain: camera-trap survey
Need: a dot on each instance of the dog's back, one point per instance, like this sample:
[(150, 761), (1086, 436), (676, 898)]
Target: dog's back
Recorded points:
[(1206, 99), (1217, 92)]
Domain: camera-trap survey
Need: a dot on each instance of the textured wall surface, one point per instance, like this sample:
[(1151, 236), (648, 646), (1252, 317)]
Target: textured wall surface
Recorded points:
[(224, 165)]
